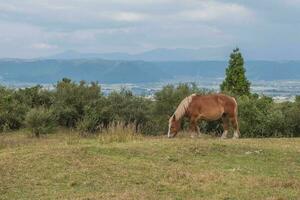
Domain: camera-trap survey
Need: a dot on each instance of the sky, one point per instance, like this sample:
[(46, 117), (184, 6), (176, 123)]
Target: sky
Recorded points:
[(263, 29)]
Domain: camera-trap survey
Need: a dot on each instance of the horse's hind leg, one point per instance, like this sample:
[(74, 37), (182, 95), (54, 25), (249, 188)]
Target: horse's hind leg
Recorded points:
[(235, 125), (225, 126)]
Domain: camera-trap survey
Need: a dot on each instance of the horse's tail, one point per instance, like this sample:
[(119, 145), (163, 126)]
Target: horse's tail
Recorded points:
[(236, 106)]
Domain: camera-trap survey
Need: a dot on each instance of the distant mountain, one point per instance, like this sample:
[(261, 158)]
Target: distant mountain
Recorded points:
[(153, 55), (104, 71), (111, 71), (71, 55)]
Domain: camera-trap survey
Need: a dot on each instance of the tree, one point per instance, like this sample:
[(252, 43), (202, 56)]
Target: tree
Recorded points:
[(236, 81)]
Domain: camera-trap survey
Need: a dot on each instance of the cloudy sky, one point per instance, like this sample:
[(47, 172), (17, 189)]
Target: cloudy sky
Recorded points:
[(263, 29)]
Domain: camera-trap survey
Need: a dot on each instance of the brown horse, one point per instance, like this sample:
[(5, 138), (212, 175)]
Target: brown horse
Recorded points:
[(205, 107)]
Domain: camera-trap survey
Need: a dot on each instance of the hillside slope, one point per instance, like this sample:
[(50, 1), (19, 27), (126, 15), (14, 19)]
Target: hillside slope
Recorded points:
[(67, 167)]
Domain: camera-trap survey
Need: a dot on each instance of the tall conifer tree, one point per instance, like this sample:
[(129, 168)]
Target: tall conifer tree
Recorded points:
[(236, 81)]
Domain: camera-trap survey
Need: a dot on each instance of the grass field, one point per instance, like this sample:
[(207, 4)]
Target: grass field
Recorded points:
[(65, 166)]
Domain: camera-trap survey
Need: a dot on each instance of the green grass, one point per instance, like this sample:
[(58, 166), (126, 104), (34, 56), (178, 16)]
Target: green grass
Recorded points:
[(66, 166)]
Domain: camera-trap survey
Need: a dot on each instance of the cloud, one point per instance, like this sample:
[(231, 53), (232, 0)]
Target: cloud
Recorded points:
[(23, 40), (34, 27), (43, 46), (6, 7), (67, 14), (293, 2), (128, 16), (217, 11)]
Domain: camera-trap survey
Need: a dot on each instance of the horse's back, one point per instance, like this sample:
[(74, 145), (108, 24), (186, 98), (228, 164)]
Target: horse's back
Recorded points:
[(215, 99), (214, 104)]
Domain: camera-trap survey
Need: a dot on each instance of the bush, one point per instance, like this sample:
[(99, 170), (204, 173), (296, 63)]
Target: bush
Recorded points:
[(71, 98), (12, 110), (40, 121), (35, 96), (83, 106), (89, 124), (155, 125), (117, 107), (290, 118), (261, 117)]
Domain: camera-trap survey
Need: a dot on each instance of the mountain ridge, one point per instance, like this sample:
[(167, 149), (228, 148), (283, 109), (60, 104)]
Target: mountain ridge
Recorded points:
[(118, 71), (159, 54)]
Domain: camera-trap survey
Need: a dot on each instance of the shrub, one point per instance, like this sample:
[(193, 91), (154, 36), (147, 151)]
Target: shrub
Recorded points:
[(83, 106), (66, 115), (71, 98), (261, 117), (155, 125), (40, 121), (89, 124), (35, 96), (117, 107), (253, 116), (290, 118), (12, 110)]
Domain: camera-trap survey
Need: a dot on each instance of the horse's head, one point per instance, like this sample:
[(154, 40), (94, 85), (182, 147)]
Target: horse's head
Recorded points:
[(174, 126)]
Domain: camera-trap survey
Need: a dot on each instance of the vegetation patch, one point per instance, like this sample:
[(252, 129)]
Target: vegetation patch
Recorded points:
[(83, 107)]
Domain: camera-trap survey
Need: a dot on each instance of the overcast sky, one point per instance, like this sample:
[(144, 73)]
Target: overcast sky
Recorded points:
[(263, 29)]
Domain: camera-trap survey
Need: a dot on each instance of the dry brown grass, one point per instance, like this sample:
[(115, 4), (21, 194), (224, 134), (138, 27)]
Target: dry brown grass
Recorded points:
[(119, 132)]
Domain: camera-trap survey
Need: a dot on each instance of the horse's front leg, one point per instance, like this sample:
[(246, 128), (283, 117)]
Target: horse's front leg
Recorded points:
[(198, 130), (193, 127)]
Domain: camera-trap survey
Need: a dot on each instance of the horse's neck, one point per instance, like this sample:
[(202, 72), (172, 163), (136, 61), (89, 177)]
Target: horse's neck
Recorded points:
[(179, 114), (182, 108)]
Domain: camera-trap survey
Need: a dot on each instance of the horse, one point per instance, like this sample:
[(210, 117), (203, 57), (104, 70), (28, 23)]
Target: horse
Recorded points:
[(206, 107)]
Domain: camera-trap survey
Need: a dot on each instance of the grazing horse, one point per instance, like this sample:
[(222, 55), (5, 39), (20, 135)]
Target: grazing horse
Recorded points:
[(205, 107)]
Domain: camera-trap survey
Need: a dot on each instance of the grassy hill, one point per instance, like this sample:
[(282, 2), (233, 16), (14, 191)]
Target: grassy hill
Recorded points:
[(65, 166)]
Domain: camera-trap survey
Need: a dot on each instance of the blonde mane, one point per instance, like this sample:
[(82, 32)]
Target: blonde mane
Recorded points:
[(183, 106)]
